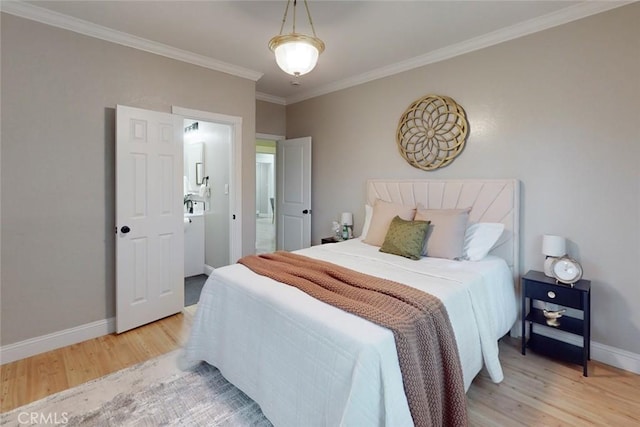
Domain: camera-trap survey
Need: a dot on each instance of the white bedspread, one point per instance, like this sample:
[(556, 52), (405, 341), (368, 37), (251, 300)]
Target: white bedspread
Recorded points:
[(307, 363)]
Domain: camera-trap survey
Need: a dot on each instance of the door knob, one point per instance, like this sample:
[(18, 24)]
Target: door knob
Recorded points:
[(125, 229), (306, 211)]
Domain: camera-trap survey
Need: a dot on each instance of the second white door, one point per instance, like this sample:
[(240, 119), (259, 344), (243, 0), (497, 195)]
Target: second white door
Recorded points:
[(293, 160)]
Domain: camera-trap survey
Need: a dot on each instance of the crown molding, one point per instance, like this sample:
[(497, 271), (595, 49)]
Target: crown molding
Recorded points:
[(554, 19), (572, 13), (261, 96), (55, 19)]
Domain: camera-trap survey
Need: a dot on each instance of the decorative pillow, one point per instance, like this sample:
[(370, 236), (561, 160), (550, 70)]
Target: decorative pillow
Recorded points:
[(480, 239), (446, 232), (383, 213), (368, 212), (405, 238)]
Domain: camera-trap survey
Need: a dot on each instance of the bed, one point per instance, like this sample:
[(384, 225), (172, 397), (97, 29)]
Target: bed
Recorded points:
[(308, 363)]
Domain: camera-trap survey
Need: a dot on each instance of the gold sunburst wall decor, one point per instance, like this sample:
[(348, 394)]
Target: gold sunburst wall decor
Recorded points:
[(432, 132)]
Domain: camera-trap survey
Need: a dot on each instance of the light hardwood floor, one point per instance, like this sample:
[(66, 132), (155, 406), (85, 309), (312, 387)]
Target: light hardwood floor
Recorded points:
[(35, 377), (536, 391)]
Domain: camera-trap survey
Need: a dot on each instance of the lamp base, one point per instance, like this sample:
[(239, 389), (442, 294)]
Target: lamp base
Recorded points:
[(548, 262)]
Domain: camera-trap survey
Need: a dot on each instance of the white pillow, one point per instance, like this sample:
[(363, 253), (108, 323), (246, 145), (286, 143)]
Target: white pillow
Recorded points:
[(368, 213), (480, 238)]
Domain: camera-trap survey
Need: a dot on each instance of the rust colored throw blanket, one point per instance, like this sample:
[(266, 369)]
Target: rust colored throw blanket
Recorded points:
[(426, 346)]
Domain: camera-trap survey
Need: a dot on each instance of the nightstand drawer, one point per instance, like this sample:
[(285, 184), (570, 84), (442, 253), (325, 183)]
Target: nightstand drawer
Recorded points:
[(557, 294)]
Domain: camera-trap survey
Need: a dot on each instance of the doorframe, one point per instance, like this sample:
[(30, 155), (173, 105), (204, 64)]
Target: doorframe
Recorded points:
[(270, 136), (235, 184)]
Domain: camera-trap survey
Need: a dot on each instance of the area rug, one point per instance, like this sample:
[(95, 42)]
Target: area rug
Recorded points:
[(152, 393)]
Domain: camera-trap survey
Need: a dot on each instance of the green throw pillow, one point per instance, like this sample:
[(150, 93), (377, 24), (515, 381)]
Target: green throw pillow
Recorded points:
[(405, 238)]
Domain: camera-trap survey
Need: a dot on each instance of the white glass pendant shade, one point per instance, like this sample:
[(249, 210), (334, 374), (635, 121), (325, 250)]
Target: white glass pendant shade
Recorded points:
[(296, 58), (296, 54)]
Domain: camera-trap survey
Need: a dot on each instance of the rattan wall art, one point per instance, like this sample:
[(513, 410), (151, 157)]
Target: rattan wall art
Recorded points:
[(432, 132)]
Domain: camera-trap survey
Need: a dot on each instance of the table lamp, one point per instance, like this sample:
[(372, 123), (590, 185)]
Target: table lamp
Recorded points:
[(347, 219), (553, 247)]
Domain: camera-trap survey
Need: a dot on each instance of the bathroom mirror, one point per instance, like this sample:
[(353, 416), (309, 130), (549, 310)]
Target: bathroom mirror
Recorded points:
[(194, 164), (199, 173)]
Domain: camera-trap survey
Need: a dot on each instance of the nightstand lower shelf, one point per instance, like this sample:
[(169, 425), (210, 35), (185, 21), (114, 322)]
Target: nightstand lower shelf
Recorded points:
[(554, 348), (564, 323)]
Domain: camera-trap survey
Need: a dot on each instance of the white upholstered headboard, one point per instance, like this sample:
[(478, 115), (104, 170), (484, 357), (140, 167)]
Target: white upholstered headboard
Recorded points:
[(491, 200)]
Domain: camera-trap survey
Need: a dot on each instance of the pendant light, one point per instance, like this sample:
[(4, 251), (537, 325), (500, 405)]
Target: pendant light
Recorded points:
[(296, 54)]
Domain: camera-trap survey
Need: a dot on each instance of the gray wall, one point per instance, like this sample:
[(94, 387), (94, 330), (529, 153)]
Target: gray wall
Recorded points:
[(59, 92), (558, 110), (270, 118), (216, 220)]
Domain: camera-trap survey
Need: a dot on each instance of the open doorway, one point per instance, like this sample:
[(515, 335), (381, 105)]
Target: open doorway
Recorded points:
[(225, 193), (212, 194), (207, 174), (265, 196)]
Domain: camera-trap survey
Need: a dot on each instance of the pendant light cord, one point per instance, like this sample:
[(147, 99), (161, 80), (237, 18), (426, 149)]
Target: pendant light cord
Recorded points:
[(284, 18), (306, 5), (286, 12)]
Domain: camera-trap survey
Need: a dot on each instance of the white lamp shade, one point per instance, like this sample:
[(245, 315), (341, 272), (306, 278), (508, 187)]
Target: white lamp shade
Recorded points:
[(554, 245), (347, 218), (296, 57)]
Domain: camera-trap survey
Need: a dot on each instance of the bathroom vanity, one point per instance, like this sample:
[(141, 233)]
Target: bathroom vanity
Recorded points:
[(193, 244)]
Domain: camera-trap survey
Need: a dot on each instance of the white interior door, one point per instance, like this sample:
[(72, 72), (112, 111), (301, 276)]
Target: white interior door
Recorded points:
[(149, 217), (293, 163)]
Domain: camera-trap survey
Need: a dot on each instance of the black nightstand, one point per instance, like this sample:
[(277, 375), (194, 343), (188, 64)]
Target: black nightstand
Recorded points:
[(537, 286), (331, 239)]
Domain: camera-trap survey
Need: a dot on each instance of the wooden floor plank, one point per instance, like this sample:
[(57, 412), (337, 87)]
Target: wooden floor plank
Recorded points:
[(536, 391)]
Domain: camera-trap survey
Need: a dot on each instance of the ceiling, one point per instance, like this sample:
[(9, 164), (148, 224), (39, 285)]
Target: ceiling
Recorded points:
[(364, 39)]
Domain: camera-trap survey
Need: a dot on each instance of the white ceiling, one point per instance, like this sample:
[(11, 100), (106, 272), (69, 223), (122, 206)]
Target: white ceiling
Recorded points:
[(364, 39)]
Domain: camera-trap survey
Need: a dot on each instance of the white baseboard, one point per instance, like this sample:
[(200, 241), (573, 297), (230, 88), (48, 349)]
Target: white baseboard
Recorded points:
[(37, 345), (31, 347), (613, 356), (616, 357)]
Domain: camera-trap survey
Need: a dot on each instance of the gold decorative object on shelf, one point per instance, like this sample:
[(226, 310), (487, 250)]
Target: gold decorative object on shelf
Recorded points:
[(432, 132)]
